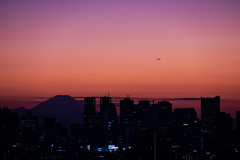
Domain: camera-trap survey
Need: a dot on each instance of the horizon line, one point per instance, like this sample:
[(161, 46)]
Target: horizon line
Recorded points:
[(117, 97)]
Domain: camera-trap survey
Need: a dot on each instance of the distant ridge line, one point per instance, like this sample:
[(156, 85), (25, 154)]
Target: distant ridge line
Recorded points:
[(147, 98)]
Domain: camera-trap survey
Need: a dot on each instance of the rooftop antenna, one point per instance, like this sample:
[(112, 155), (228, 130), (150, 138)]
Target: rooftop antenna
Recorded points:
[(108, 94)]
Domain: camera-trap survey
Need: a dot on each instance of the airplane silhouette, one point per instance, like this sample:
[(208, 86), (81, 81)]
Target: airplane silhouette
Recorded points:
[(159, 59)]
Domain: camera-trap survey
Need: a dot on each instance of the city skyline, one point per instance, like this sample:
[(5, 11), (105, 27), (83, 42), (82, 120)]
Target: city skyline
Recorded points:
[(228, 106), (145, 130), (129, 79), (87, 48)]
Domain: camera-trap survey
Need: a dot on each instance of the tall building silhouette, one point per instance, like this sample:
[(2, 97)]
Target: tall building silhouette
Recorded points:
[(225, 123), (210, 109), (127, 112), (93, 123), (29, 128), (238, 121), (89, 110), (54, 132), (108, 117), (105, 102), (127, 121), (111, 123), (164, 112), (210, 113), (9, 128), (96, 125), (144, 114)]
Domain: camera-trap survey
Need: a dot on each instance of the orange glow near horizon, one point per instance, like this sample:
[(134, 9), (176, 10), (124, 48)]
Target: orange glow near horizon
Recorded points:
[(88, 49)]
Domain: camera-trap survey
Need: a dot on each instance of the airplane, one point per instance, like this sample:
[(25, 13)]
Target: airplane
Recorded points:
[(159, 59)]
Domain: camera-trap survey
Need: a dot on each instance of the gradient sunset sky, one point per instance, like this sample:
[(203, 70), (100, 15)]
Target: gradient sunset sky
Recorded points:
[(92, 47)]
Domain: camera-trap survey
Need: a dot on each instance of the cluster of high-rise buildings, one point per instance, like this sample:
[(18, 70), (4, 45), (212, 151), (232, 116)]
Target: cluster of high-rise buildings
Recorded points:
[(143, 131)]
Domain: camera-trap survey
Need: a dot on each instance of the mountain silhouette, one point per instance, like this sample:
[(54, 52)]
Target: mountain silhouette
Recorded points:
[(20, 111), (64, 108)]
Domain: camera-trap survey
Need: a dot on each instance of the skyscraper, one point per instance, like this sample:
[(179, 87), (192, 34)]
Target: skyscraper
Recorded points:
[(210, 109), (144, 114), (29, 128), (104, 104), (225, 123), (105, 111), (111, 123), (127, 121), (210, 113), (164, 112), (238, 121), (93, 123), (89, 110), (9, 128), (127, 112)]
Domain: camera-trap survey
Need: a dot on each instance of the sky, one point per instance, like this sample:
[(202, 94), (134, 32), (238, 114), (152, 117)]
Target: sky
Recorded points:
[(92, 47)]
